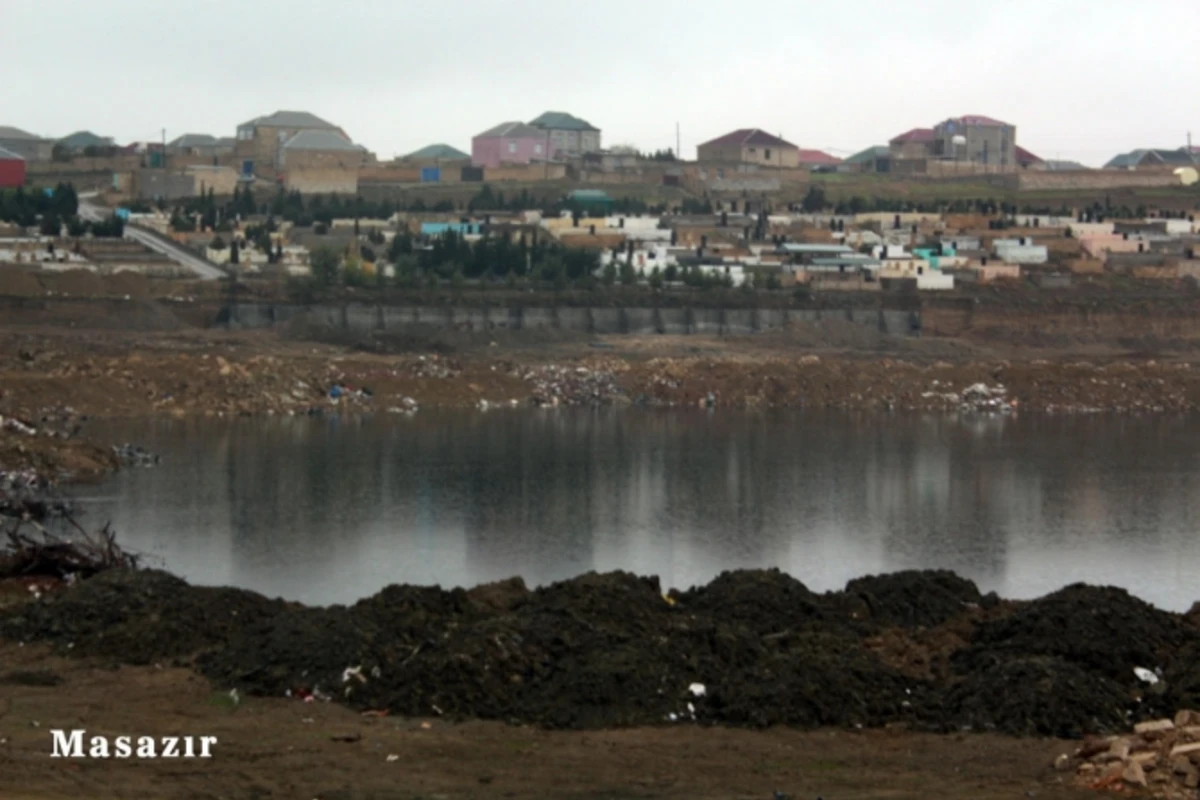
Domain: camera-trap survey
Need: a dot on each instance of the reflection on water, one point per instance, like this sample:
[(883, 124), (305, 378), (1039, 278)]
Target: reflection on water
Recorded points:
[(329, 510)]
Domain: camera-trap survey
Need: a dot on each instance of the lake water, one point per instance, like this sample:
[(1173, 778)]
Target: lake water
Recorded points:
[(327, 510)]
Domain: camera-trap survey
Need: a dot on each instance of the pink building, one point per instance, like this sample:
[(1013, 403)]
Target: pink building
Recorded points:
[(1100, 245), (509, 143)]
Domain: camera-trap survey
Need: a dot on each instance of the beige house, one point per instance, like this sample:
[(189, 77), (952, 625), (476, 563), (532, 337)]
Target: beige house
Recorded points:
[(261, 140), (321, 161), (750, 146)]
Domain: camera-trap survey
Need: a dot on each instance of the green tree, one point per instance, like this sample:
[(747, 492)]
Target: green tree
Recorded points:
[(656, 278), (671, 273), (324, 262), (609, 275), (628, 274), (814, 200)]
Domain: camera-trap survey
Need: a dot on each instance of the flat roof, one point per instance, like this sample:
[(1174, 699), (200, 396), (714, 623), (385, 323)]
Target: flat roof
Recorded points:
[(816, 248)]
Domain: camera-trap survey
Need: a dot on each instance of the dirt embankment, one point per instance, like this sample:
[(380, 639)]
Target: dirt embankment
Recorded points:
[(752, 648), (261, 374)]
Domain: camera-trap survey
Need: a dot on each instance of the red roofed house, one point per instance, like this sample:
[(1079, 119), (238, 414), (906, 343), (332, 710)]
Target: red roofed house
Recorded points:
[(812, 159), (1027, 160), (917, 143), (750, 146), (976, 139)]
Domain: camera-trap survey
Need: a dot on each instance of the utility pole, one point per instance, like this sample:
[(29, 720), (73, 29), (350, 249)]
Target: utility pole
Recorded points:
[(678, 146), (164, 152)]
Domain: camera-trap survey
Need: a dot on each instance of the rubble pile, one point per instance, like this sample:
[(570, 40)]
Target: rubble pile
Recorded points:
[(1161, 756), (604, 650), (554, 385)]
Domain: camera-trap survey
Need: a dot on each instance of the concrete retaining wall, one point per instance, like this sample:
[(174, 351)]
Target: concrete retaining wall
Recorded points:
[(364, 318)]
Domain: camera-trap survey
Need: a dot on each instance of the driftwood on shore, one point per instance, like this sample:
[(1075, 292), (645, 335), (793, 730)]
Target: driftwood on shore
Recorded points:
[(81, 555)]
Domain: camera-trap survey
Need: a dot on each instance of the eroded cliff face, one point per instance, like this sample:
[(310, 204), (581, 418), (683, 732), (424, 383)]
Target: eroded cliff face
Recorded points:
[(1163, 326)]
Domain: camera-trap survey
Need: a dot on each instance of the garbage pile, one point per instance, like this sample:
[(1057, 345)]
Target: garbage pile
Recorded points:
[(435, 366), (976, 398), (980, 397), (554, 385), (752, 648), (28, 494), (131, 455), (14, 425), (1161, 756)]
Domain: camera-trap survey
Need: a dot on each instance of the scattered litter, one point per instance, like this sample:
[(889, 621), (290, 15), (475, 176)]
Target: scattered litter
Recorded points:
[(697, 690), (392, 757), (1145, 675), (134, 456)]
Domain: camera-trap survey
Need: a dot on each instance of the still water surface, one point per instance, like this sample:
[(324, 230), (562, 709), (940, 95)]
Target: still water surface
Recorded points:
[(330, 510)]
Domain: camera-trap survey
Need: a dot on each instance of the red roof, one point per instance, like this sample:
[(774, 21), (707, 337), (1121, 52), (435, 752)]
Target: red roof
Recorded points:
[(1026, 157), (818, 157), (749, 136), (915, 135)]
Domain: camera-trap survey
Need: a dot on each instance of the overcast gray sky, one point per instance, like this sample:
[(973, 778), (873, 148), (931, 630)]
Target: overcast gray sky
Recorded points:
[(1080, 80)]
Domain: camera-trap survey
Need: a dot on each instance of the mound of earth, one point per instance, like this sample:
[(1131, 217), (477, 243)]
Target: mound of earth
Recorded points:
[(1039, 697), (912, 598), (1104, 630), (752, 648)]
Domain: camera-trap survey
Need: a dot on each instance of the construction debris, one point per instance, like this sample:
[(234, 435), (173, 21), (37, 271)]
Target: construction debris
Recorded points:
[(1161, 756)]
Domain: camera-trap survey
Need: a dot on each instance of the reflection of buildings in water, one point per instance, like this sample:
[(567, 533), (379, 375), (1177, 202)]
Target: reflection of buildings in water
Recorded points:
[(943, 497)]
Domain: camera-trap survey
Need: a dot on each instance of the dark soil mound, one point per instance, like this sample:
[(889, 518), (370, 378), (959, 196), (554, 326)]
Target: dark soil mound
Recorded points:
[(1039, 696), (912, 598), (767, 601), (1103, 630), (610, 650), (138, 617)]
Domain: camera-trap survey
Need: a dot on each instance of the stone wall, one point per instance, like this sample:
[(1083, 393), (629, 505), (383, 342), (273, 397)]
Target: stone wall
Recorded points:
[(365, 318), (1097, 179)]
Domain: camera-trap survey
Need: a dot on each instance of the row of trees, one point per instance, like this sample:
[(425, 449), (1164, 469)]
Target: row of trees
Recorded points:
[(323, 209), (25, 208)]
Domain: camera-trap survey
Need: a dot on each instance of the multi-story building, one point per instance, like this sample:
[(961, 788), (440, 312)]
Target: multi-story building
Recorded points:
[(510, 143), (261, 139), (570, 137), (976, 139)]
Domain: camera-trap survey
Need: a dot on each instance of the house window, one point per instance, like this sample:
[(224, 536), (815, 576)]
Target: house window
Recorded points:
[(753, 150), (512, 147), (767, 154)]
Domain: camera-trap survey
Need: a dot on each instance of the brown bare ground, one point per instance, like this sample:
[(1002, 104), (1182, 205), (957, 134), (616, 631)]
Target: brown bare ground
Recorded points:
[(281, 748)]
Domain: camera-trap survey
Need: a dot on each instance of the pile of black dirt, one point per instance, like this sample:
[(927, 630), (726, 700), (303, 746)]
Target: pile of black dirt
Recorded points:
[(1104, 630), (752, 648), (1040, 697), (912, 599), (138, 617)]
